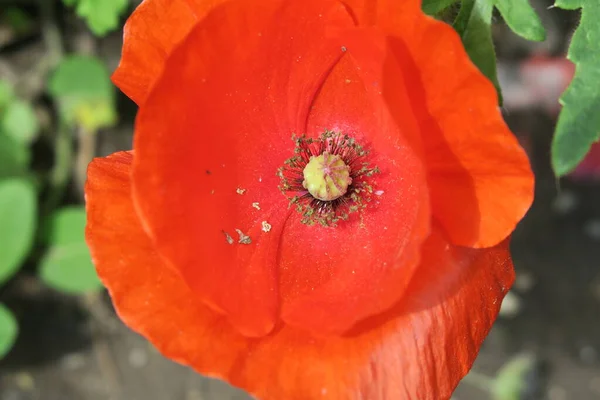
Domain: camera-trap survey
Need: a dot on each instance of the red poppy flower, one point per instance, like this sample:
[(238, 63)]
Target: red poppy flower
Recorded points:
[(366, 258)]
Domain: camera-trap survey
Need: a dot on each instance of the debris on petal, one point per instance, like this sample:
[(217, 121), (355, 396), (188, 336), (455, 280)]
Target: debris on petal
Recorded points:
[(255, 205), (228, 237), (244, 239), (266, 227), (240, 191)]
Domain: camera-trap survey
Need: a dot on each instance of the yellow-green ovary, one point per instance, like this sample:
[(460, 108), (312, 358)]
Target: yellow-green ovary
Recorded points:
[(326, 177)]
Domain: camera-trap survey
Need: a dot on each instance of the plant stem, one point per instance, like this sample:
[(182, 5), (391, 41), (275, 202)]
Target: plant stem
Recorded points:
[(51, 32), (85, 153), (61, 171), (63, 144)]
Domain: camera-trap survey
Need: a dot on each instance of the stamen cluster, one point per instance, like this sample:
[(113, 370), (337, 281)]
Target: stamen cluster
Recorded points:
[(316, 210)]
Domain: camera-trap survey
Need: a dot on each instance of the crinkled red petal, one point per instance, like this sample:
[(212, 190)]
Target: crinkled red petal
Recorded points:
[(363, 266), (149, 36), (211, 137), (479, 176), (476, 167), (419, 349)]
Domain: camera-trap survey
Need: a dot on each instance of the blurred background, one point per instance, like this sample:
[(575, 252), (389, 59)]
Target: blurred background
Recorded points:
[(59, 336)]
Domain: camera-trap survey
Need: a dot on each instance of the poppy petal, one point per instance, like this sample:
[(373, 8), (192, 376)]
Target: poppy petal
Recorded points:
[(211, 136), (480, 179), (149, 296), (389, 15), (479, 176), (362, 266), (419, 349), (149, 35)]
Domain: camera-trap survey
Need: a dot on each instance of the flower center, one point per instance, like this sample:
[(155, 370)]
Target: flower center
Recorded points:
[(326, 177)]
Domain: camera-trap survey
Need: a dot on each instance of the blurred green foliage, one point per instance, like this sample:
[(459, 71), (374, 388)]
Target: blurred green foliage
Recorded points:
[(8, 330), (85, 95), (84, 100), (474, 25), (19, 122), (434, 7), (67, 265), (102, 16), (18, 128), (516, 380), (18, 219), (15, 134), (578, 125), (17, 19)]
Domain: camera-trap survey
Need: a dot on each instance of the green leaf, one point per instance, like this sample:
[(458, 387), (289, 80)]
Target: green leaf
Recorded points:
[(432, 7), (67, 266), (14, 157), (578, 125), (65, 226), (522, 19), (8, 330), (512, 378), (6, 94), (17, 19), (84, 92), (20, 122), (102, 16), (474, 25), (18, 214)]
